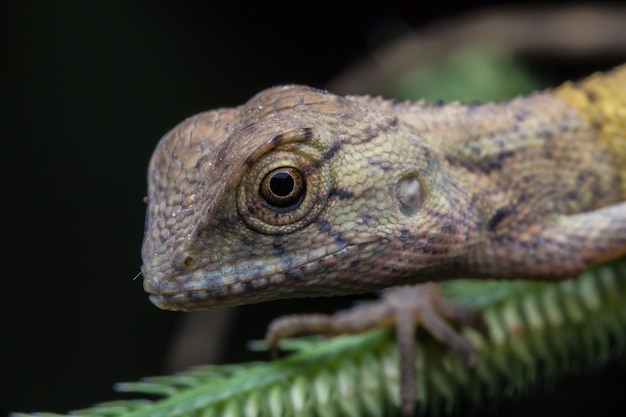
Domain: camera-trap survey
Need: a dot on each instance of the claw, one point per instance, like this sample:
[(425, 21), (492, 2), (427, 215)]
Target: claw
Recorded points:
[(405, 307)]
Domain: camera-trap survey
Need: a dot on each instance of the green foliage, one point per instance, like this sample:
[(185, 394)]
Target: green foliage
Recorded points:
[(477, 73), (539, 331)]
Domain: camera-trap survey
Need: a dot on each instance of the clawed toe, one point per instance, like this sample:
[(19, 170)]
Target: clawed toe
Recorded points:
[(405, 307)]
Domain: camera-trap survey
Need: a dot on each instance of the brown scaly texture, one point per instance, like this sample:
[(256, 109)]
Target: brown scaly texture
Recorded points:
[(303, 193)]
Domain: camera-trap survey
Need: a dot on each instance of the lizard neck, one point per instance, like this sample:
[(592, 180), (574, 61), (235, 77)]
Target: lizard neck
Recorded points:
[(518, 163)]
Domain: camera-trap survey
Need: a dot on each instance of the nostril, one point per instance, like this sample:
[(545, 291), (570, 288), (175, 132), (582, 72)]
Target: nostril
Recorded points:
[(185, 262)]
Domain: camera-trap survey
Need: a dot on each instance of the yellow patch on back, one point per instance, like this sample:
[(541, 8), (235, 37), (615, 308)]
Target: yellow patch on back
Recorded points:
[(601, 98)]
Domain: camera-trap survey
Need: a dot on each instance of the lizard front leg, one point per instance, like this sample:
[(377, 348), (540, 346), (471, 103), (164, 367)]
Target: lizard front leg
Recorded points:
[(402, 307)]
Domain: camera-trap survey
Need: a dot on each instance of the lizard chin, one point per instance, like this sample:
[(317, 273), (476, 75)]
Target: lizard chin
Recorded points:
[(224, 297)]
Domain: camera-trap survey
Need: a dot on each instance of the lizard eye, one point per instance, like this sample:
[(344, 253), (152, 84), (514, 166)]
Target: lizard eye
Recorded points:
[(283, 189)]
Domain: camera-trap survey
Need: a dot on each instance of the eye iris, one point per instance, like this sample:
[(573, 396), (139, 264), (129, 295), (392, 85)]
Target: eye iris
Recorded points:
[(283, 189)]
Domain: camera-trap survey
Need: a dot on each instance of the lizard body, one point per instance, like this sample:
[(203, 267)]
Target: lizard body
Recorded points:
[(303, 193)]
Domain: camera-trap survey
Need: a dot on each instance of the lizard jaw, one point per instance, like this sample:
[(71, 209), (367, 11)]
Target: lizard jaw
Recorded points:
[(218, 298), (293, 278)]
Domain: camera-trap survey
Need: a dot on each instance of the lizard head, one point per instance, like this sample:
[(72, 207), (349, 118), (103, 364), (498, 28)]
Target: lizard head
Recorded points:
[(292, 194)]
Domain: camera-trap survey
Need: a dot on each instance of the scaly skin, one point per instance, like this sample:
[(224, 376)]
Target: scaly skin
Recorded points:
[(394, 193), (303, 193)]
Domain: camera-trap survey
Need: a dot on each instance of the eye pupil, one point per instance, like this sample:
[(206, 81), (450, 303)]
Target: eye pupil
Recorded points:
[(281, 184), (283, 189)]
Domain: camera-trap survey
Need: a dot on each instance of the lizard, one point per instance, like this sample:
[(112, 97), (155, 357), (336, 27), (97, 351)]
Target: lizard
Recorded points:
[(303, 193)]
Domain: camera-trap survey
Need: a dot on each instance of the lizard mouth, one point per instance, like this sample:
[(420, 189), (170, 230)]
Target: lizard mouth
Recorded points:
[(199, 290), (289, 284), (225, 296), (198, 299)]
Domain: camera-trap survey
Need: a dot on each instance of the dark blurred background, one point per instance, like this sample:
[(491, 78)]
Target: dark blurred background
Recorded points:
[(89, 88)]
